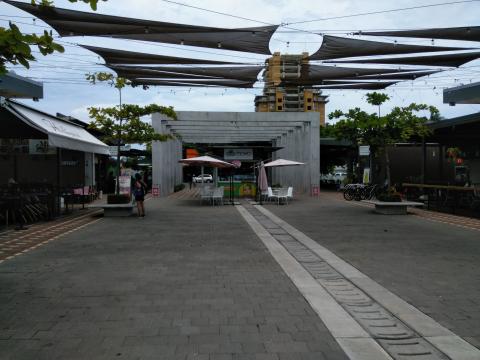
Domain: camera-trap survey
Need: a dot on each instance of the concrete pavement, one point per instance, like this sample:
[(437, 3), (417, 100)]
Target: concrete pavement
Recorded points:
[(186, 282), (247, 282)]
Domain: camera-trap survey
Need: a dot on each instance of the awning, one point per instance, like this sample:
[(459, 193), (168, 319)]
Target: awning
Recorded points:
[(61, 134), (465, 33), (77, 23), (334, 47)]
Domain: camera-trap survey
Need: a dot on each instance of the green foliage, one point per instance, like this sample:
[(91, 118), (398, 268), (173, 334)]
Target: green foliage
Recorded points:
[(15, 46), (377, 98), (117, 82), (125, 123), (93, 3), (400, 125)]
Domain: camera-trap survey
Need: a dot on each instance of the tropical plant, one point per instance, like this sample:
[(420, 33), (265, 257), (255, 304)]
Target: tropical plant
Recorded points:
[(400, 125), (123, 124)]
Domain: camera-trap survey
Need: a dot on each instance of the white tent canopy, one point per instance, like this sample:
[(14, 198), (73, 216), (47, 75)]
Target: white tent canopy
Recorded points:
[(61, 134)]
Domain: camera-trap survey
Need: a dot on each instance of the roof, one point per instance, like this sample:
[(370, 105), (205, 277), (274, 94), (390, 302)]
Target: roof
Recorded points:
[(61, 133), (15, 86), (461, 120), (463, 94)]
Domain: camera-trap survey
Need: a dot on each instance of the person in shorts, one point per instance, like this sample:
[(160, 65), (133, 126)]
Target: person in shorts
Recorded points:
[(139, 191)]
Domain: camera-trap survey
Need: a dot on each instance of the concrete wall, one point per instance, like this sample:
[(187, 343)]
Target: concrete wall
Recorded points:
[(299, 144), (166, 170)]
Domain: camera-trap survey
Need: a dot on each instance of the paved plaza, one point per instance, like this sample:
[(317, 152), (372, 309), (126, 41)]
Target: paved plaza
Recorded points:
[(245, 282)]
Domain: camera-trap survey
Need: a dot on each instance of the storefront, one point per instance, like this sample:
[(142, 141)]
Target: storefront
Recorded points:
[(44, 155)]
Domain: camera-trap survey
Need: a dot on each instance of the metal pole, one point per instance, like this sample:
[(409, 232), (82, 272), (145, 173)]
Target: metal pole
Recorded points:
[(118, 144)]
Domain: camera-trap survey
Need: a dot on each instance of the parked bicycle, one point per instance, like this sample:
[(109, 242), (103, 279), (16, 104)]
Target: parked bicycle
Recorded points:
[(359, 192)]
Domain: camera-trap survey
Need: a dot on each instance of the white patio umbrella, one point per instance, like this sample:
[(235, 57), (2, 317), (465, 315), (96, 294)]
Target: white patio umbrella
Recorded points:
[(262, 178), (283, 162), (207, 161)]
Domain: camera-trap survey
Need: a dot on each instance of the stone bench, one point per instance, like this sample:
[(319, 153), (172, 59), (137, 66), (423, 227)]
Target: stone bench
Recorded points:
[(114, 210), (392, 208)]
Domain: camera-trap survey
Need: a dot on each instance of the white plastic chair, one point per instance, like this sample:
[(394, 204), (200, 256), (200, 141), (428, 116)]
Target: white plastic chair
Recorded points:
[(270, 196), (218, 195), (282, 194), (290, 193), (206, 193)]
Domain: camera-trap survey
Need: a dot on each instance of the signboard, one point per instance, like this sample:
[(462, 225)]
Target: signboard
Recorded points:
[(364, 150), (40, 147), (366, 176), (315, 190), (238, 154), (114, 152), (191, 153), (155, 191), (125, 184)]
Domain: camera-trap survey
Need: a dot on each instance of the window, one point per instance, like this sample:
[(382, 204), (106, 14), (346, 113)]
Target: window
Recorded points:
[(279, 108), (309, 107)]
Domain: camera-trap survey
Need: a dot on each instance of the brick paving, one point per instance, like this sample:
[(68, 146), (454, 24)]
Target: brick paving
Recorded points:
[(14, 243), (186, 282), (428, 259)]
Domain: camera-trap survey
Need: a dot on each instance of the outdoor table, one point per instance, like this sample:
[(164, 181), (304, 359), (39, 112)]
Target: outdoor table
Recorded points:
[(456, 191)]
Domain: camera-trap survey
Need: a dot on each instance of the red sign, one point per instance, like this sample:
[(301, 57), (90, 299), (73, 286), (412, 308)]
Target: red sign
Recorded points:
[(459, 161), (315, 191), (155, 191)]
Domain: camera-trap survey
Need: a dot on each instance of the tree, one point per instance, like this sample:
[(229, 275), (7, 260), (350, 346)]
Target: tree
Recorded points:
[(15, 47), (400, 125), (122, 124)]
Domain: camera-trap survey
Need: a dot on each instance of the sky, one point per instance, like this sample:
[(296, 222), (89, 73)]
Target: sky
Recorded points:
[(66, 91)]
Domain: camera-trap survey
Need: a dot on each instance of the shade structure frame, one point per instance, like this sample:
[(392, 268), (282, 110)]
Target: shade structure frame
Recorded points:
[(335, 47), (77, 23)]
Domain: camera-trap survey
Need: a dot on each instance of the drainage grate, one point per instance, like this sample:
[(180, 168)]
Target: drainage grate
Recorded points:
[(400, 341)]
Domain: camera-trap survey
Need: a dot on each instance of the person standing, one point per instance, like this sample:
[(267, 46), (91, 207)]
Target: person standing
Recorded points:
[(139, 191)]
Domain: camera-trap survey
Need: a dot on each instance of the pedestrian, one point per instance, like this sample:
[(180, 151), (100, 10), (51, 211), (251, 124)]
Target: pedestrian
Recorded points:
[(139, 191)]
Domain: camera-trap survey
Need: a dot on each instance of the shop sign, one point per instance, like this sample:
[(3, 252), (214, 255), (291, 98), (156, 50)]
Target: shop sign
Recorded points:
[(40, 147), (364, 150), (125, 184), (113, 149), (315, 190), (238, 154), (69, 162), (155, 191)]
